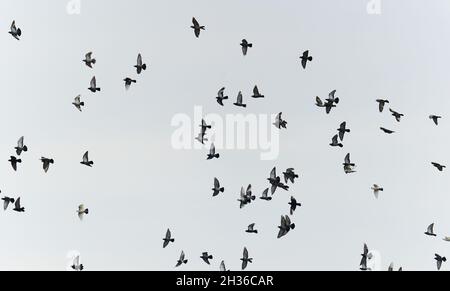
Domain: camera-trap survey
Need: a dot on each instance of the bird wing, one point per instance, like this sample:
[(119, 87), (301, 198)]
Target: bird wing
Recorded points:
[(256, 91), (366, 250), (251, 226), (86, 157), (139, 60), (265, 193), (331, 95), (335, 139), (212, 150), (89, 56), (93, 82), (216, 183), (273, 173), (17, 204), (431, 228), (221, 91), (244, 50), (245, 253), (13, 27), (319, 101), (222, 266), (5, 204), (239, 98), (20, 142), (347, 158), (195, 22), (182, 256)]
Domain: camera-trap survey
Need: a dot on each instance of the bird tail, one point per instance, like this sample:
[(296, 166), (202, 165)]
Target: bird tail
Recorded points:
[(217, 156), (250, 260), (336, 100), (293, 226), (91, 163), (253, 197), (210, 257), (225, 98), (94, 61), (86, 211), (19, 160), (172, 240), (134, 81), (202, 27), (185, 261), (222, 189), (250, 45), (144, 67), (25, 148), (97, 89), (244, 105), (81, 267), (19, 32), (82, 103), (310, 59)]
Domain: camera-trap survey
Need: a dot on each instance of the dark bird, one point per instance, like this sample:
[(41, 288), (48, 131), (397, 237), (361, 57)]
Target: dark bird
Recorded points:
[(381, 104), (376, 190), (140, 66), (245, 45), (348, 165), (430, 230), (20, 146), (196, 27), (217, 189), (168, 239), (15, 32), (88, 60), (239, 101), (388, 131), (435, 119), (128, 82), (204, 126), (246, 196), (275, 181), (439, 261), (76, 264), (285, 226), (364, 258), (86, 161), (305, 59), (201, 137), (439, 166), (17, 206), (77, 103), (290, 175), (335, 142), (82, 211), (245, 259), (46, 163), (256, 93), (93, 85), (293, 203), (182, 260), (398, 116), (7, 201), (332, 98), (206, 257), (222, 267), (342, 130), (220, 96), (251, 229), (265, 195), (14, 161), (279, 122), (212, 153)]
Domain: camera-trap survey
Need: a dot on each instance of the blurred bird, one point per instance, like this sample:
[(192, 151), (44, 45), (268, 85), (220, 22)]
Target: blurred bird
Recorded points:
[(245, 45), (239, 101), (435, 119), (88, 60), (168, 239), (77, 103), (86, 161), (335, 142), (279, 122), (391, 268), (430, 230), (246, 196), (305, 59), (332, 98), (275, 181), (342, 130), (285, 226), (256, 93), (388, 131), (196, 27), (82, 211), (364, 258), (319, 102), (204, 126), (222, 267), (293, 203), (447, 238), (212, 153), (140, 66), (265, 195), (290, 175), (182, 260), (398, 116), (381, 104), (251, 229), (376, 190), (201, 137), (439, 166), (15, 32), (18, 207), (93, 85), (220, 96), (128, 82), (245, 259), (46, 163), (439, 261), (20, 146), (14, 161), (76, 265), (217, 189), (348, 165), (206, 257), (7, 201)]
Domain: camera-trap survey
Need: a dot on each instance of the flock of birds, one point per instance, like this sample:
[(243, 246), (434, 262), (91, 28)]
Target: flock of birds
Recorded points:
[(246, 194)]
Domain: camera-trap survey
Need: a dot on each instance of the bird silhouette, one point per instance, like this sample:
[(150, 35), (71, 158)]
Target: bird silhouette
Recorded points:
[(196, 27)]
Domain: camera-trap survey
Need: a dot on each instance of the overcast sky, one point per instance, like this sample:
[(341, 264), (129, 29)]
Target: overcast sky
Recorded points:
[(140, 185)]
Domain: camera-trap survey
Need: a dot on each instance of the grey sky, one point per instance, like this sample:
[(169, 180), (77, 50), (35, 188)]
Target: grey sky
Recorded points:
[(140, 186)]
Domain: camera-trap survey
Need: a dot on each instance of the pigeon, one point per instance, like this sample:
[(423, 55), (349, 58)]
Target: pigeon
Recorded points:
[(246, 196), (128, 82), (256, 93), (435, 119), (335, 142), (305, 59), (293, 203), (342, 130), (217, 189), (206, 257), (204, 126), (46, 163), (77, 103), (182, 260), (331, 98), (439, 166), (275, 181), (14, 161), (365, 256), (140, 66), (88, 60), (76, 264), (348, 165), (222, 267), (279, 122), (20, 146), (388, 131), (18, 207), (82, 211), (196, 27), (439, 261), (201, 137), (93, 86), (168, 239), (328, 106), (245, 259), (376, 190), (285, 226), (220, 96), (430, 230), (7, 201), (86, 161), (15, 32), (381, 104), (265, 195), (245, 45), (239, 101), (251, 229), (212, 153), (398, 116), (290, 175)]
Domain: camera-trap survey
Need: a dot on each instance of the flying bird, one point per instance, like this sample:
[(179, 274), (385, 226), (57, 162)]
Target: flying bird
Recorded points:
[(86, 160), (376, 190), (245, 259), (251, 229), (77, 103), (206, 257), (82, 211), (332, 98), (430, 230), (398, 116), (76, 265), (196, 27), (246, 196), (89, 61), (381, 104), (201, 137), (46, 163), (439, 261), (348, 165), (439, 166), (335, 142), (265, 195), (222, 267), (435, 119), (204, 126), (275, 181), (18, 207), (279, 122), (140, 66), (245, 45), (168, 239), (15, 32), (128, 82), (342, 130), (364, 258), (7, 201), (239, 101), (285, 227), (20, 146), (182, 260), (256, 93), (220, 96), (388, 131), (305, 59), (319, 102), (293, 203), (290, 175), (93, 85), (14, 161), (212, 153), (217, 189)]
